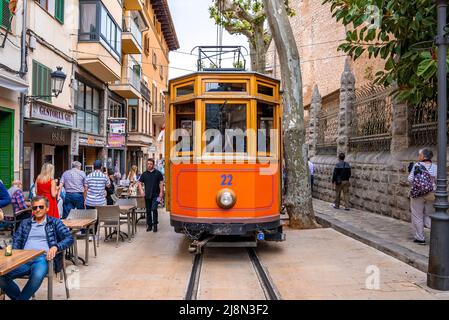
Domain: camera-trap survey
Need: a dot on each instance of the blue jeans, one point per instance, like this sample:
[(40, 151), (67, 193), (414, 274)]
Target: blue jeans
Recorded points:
[(36, 269), (72, 201)]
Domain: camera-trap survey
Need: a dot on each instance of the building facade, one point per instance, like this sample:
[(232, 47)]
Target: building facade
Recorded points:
[(12, 83)]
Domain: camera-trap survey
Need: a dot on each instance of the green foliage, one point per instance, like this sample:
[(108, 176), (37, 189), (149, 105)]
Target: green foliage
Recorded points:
[(403, 38)]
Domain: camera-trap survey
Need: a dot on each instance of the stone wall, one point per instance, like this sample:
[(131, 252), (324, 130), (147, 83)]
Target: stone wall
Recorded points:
[(378, 184)]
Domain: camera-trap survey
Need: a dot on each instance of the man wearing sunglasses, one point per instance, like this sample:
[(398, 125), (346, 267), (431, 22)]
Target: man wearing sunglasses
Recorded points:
[(40, 232)]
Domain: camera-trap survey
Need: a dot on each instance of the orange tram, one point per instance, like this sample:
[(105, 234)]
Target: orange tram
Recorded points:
[(223, 154)]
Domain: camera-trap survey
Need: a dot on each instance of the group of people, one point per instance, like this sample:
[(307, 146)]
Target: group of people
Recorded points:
[(422, 181), (44, 230)]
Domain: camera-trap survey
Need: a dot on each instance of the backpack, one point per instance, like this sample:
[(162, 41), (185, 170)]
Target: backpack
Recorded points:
[(422, 182)]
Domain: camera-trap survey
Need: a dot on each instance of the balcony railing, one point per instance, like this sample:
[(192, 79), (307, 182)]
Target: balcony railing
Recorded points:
[(145, 91), (129, 25)]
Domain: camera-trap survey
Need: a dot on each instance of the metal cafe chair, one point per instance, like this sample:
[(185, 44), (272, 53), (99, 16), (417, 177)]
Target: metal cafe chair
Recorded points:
[(128, 202), (14, 218), (109, 218)]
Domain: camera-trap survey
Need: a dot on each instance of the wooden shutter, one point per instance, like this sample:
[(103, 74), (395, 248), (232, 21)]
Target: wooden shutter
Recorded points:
[(5, 15), (6, 147), (59, 10), (41, 81)]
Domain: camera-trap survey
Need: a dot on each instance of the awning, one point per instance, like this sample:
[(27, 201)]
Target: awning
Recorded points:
[(13, 83)]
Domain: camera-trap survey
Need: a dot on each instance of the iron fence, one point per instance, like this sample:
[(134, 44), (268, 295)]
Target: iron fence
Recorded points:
[(328, 129), (423, 123)]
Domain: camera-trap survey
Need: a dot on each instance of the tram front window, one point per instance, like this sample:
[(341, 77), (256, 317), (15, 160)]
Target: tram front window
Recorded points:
[(226, 128), (185, 118)]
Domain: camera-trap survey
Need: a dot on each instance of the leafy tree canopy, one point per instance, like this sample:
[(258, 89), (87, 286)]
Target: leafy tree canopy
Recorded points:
[(399, 31)]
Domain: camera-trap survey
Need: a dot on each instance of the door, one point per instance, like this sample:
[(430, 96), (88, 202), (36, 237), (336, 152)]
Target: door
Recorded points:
[(6, 146)]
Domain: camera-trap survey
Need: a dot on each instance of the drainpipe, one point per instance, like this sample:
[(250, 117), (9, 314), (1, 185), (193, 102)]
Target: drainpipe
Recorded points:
[(23, 72)]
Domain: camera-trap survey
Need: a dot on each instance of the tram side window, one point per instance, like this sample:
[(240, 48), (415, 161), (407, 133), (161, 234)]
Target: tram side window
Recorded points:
[(265, 116), (185, 90), (225, 87), (185, 118), (226, 128)]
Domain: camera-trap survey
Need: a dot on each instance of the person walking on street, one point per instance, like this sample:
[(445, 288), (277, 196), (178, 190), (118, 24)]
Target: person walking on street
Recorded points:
[(340, 177), (46, 187), (312, 171), (422, 178), (96, 183), (41, 232), (73, 182), (154, 186)]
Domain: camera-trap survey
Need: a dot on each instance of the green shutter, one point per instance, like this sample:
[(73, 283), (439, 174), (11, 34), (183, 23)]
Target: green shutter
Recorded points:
[(7, 146), (59, 10), (41, 81), (5, 15)]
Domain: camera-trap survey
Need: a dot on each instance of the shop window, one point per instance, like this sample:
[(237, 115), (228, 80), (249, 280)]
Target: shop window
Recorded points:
[(184, 119), (225, 128), (87, 108), (265, 116)]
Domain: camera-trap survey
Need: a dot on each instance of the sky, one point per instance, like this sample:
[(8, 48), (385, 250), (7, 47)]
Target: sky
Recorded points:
[(194, 28)]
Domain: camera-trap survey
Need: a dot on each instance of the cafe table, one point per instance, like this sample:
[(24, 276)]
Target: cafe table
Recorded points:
[(76, 225), (17, 259)]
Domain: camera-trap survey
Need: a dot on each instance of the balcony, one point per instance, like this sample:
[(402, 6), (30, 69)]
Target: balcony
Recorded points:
[(129, 87), (135, 5), (131, 36), (102, 64), (146, 94)]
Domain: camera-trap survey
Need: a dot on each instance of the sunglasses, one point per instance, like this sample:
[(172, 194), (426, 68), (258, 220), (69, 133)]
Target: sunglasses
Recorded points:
[(38, 207)]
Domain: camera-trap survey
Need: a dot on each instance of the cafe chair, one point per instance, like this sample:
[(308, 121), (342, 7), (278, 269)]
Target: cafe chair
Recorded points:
[(141, 208), (109, 218), (13, 218), (128, 202)]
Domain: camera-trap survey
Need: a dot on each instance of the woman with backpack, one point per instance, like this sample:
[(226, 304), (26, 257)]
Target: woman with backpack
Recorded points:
[(422, 178)]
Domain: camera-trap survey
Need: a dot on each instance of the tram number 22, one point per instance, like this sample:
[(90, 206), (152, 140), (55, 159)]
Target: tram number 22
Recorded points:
[(226, 180)]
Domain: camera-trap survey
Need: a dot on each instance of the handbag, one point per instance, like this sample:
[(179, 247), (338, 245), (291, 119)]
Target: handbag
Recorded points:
[(422, 182)]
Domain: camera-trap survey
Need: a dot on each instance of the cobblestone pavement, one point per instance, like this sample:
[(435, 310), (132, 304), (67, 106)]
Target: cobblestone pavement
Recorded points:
[(387, 234)]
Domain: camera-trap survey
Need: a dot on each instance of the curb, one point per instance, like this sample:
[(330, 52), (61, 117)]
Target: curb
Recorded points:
[(401, 253)]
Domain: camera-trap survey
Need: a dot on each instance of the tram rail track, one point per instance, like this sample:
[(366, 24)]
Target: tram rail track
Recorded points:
[(265, 282)]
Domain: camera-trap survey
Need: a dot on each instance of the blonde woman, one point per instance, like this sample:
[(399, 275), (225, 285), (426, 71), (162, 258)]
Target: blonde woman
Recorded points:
[(132, 177), (46, 187)]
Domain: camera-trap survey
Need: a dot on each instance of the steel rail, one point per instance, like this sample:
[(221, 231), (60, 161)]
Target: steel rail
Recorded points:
[(267, 285), (192, 288)]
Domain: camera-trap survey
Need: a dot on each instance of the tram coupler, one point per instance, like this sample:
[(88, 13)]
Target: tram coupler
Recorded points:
[(274, 235), (196, 247)]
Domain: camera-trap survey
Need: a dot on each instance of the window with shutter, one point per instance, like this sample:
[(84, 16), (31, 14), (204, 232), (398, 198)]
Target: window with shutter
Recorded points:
[(5, 15), (59, 10), (41, 81)]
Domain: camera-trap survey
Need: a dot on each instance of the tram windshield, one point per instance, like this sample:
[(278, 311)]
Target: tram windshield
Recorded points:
[(226, 128)]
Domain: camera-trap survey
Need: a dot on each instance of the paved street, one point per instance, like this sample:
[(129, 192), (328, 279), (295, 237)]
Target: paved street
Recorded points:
[(311, 264)]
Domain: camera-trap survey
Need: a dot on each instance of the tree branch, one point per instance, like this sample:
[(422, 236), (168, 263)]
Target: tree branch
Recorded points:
[(237, 10)]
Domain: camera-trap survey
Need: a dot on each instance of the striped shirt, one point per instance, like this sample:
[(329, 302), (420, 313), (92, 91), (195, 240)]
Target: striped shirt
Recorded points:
[(73, 180), (96, 184)]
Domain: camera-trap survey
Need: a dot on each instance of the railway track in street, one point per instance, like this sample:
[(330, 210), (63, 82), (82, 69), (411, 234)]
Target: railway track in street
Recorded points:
[(257, 274)]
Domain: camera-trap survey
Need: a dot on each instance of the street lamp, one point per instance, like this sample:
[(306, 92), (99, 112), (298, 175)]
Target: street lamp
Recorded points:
[(438, 272), (57, 83)]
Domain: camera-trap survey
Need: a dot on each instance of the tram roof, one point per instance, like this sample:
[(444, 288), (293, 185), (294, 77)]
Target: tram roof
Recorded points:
[(226, 72)]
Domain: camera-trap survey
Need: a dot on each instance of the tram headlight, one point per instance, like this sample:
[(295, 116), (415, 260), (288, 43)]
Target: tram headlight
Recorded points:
[(226, 198)]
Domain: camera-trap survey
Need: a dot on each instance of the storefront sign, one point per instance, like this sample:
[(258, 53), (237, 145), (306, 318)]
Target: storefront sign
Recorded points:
[(47, 113), (152, 149), (117, 127), (116, 140), (75, 144), (91, 141)]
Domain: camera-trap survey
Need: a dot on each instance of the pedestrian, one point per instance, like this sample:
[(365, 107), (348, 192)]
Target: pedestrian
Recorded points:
[(312, 171), (73, 182), (160, 164), (96, 183), (110, 190), (422, 178), (41, 232), (340, 177), (46, 187), (154, 186), (132, 178)]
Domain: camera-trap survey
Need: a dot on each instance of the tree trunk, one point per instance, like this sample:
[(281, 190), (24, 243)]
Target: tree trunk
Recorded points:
[(298, 198), (257, 49)]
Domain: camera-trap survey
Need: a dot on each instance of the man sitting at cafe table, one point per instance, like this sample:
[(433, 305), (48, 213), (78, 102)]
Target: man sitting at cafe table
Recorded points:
[(40, 232)]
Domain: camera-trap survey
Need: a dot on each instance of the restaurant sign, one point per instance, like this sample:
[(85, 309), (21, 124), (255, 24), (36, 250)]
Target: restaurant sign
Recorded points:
[(116, 140), (91, 141), (47, 113)]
